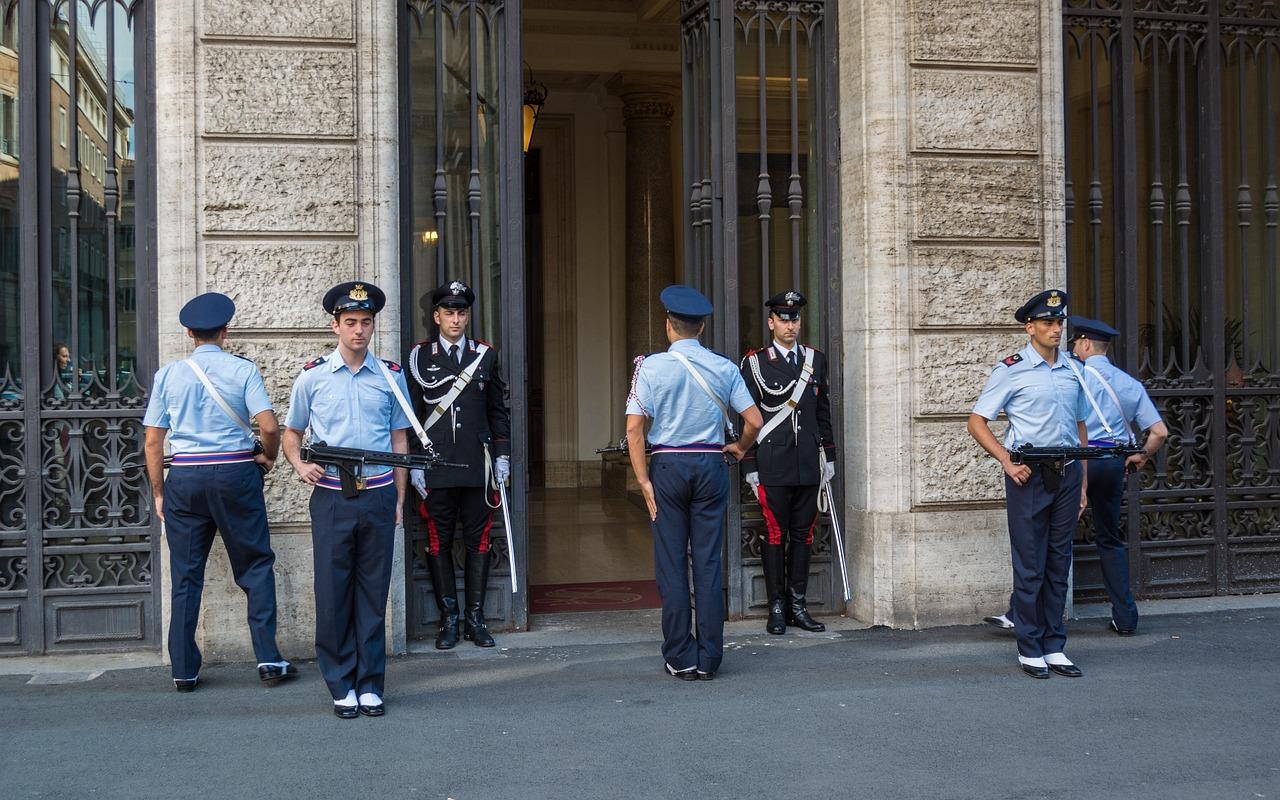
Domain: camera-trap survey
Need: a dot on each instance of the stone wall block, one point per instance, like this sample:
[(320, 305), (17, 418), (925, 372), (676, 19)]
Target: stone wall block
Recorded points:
[(280, 360), (950, 467), (962, 30), (979, 111), (279, 19), (950, 370), (279, 188), (287, 497), (976, 198), (278, 91), (993, 282), (277, 285)]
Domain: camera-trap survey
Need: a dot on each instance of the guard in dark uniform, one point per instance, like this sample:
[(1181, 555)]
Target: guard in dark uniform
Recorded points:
[(792, 458), (215, 484), (688, 392), (462, 402), (350, 398), (1044, 400), (1120, 403)]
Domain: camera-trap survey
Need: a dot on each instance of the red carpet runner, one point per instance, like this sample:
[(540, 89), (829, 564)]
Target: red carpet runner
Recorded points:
[(610, 596)]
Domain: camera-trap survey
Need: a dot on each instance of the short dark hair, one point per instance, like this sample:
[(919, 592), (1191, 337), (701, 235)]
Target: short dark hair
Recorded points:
[(207, 334), (686, 327)]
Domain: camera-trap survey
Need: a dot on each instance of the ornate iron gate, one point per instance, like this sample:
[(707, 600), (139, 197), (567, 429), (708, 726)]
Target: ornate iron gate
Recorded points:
[(1171, 155), (461, 200), (760, 123), (77, 345)]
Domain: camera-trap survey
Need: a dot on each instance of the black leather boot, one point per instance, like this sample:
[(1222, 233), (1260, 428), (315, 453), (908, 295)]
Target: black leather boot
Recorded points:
[(797, 613), (477, 575), (771, 558), (444, 586)]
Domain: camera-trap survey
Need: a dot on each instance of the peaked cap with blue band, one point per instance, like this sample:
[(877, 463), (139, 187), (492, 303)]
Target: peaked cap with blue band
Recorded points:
[(208, 312), (685, 301), (1049, 304), (354, 296), (1085, 328)]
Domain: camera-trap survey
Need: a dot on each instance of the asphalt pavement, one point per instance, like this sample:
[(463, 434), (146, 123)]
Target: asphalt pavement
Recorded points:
[(1188, 708)]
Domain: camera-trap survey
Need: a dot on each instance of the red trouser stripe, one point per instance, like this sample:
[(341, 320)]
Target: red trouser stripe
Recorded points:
[(812, 525), (771, 527), (433, 535), (488, 526)]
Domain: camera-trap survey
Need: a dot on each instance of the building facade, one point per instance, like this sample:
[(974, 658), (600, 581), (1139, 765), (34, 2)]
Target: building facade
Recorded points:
[(916, 168)]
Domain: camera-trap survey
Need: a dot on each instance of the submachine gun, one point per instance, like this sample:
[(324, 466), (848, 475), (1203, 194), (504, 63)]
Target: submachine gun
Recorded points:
[(1053, 460), (622, 447), (1059, 456), (350, 461)]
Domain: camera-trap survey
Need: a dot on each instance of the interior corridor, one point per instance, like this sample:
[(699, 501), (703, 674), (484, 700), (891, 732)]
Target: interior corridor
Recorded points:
[(589, 550)]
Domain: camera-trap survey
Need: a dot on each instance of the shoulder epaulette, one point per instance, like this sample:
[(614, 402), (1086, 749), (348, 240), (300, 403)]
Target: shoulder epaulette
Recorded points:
[(391, 365), (475, 342), (313, 363), (246, 358), (748, 354), (811, 347), (1011, 360)]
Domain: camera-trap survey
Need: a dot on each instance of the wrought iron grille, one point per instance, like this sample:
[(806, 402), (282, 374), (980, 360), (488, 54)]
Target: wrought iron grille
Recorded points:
[(1171, 154), (760, 106), (461, 179)]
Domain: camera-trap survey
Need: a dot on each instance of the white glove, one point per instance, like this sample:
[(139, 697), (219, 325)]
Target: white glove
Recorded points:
[(828, 471), (502, 469), (419, 480), (753, 480)]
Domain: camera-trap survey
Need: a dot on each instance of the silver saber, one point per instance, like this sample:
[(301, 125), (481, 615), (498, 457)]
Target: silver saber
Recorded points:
[(837, 538), (506, 522)]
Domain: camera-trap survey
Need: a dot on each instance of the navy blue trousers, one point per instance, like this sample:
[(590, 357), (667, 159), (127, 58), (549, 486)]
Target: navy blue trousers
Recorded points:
[(352, 544), (1042, 524), (199, 501), (692, 491), (1106, 490)]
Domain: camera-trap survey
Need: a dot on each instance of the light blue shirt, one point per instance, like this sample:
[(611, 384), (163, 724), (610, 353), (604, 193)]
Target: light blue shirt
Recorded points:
[(681, 411), (1135, 406), (1043, 402), (348, 409), (196, 423)]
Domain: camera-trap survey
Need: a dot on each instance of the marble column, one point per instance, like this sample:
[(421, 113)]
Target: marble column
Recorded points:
[(650, 211)]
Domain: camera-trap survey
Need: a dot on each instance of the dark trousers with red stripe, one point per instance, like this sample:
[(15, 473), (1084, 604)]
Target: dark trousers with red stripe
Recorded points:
[(692, 493), (353, 540), (223, 498), (790, 512), (447, 507)]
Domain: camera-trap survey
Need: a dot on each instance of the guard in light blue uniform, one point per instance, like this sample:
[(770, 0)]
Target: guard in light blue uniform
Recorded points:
[(1046, 406), (215, 484), (1119, 403), (689, 490), (355, 407)]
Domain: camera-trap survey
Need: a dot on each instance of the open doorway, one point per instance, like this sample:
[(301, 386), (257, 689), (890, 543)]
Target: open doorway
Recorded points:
[(589, 542)]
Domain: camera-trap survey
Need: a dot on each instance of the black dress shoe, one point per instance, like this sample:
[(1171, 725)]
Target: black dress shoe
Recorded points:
[(373, 711), (345, 712), (1002, 622), (271, 674), (777, 618), (706, 676), (1118, 631), (185, 684), (1066, 670), (1036, 672), (681, 674)]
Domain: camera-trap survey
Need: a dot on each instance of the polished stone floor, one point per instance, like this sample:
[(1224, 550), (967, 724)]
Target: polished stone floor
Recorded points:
[(587, 536)]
